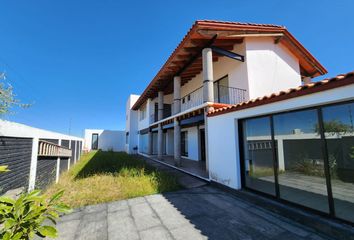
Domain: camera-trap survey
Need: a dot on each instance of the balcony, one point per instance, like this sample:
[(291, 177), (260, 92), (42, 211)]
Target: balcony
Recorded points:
[(222, 94)]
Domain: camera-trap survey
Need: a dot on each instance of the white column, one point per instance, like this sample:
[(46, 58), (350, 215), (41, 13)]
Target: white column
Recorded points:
[(75, 156), (160, 131), (33, 168), (69, 159), (58, 165), (208, 75), (160, 105), (177, 142), (149, 142), (176, 94), (159, 142)]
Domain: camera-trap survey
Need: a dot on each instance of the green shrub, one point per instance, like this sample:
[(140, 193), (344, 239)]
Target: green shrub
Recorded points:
[(29, 215), (3, 169)]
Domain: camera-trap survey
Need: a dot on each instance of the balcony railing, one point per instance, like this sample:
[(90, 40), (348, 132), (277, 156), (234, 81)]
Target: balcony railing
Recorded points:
[(192, 99), (222, 94), (229, 95)]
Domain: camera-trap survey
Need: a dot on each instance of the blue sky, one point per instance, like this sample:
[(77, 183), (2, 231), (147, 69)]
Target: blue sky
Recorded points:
[(78, 61)]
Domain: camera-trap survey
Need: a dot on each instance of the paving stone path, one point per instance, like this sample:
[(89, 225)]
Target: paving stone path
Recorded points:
[(195, 213)]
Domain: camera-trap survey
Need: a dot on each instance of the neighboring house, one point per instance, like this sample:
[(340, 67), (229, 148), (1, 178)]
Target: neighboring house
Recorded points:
[(200, 114), (105, 140)]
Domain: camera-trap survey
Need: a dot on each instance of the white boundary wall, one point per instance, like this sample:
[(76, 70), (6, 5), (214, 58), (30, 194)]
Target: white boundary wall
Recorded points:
[(223, 136)]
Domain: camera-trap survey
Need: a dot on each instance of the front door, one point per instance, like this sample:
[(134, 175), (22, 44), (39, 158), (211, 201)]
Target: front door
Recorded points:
[(202, 145)]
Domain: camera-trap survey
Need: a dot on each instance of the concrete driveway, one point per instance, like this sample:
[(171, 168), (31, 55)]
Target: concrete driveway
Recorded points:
[(197, 213)]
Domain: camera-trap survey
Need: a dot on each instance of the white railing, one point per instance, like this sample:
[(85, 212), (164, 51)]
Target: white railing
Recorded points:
[(229, 95), (192, 99)]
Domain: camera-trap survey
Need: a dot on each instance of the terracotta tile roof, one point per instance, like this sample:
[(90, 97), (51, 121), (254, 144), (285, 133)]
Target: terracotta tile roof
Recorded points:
[(326, 84), (227, 35)]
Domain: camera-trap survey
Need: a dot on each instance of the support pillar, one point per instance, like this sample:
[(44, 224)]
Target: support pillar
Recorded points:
[(149, 150), (159, 142), (176, 94), (33, 168), (177, 142), (58, 164), (160, 131), (208, 75), (75, 156), (69, 159)]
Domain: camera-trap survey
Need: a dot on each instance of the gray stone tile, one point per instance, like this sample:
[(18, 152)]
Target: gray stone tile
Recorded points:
[(92, 230), (187, 232), (95, 208), (134, 201), (144, 217), (118, 205), (155, 233), (67, 229), (121, 226)]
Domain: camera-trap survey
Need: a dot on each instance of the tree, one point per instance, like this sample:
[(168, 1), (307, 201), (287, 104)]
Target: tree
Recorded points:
[(8, 98)]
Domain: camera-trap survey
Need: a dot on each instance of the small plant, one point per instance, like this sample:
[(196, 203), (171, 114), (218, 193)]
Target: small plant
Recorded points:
[(3, 169), (27, 216)]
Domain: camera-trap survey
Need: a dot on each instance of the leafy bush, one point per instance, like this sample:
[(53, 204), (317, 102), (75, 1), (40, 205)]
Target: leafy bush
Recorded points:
[(28, 215), (3, 169)]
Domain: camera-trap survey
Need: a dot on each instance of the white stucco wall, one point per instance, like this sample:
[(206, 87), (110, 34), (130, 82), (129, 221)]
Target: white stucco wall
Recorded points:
[(223, 143), (193, 138), (131, 125), (270, 67), (107, 139)]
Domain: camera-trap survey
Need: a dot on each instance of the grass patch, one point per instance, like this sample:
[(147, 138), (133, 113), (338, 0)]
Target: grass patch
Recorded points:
[(107, 176)]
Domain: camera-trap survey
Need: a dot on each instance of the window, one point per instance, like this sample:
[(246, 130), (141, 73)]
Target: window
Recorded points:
[(301, 172), (258, 155), (339, 134), (94, 143), (143, 112), (184, 144), (221, 90)]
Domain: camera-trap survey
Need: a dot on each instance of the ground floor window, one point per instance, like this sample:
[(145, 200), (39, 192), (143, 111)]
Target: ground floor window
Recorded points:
[(143, 143), (305, 157), (184, 144)]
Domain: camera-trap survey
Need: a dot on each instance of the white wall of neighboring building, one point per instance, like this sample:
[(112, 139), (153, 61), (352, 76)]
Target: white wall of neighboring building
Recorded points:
[(223, 141), (13, 129), (270, 67), (131, 128), (107, 139)]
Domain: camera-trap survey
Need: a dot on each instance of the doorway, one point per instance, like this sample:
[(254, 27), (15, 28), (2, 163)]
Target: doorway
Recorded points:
[(94, 144)]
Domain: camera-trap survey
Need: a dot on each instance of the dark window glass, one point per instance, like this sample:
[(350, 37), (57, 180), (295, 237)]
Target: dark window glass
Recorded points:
[(300, 159), (184, 144), (221, 90), (339, 133), (258, 155), (94, 141)]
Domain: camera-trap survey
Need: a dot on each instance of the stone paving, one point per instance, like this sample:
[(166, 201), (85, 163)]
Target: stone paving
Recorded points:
[(195, 213)]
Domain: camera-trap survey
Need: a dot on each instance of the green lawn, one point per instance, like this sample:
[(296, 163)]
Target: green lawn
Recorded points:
[(107, 176)]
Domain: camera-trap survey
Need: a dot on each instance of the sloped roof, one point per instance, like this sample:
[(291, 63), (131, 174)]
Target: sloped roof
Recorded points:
[(186, 62), (326, 84)]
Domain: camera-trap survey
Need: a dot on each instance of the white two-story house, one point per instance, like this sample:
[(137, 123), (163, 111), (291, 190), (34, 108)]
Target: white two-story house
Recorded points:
[(234, 104), (216, 64)]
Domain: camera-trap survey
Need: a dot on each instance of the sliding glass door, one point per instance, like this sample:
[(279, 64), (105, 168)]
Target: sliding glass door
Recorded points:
[(305, 157), (258, 158)]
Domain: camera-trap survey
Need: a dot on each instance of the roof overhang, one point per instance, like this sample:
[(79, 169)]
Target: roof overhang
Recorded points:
[(186, 61)]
